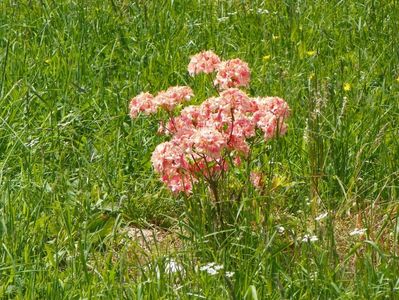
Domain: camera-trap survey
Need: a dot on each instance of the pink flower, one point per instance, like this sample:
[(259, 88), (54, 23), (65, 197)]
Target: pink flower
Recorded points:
[(239, 100), (208, 141), (207, 167), (179, 183), (232, 73), (243, 126), (191, 112), (173, 96), (237, 161), (169, 161), (238, 144), (270, 116), (275, 105), (205, 61), (167, 156), (179, 126), (271, 125), (143, 102), (256, 179)]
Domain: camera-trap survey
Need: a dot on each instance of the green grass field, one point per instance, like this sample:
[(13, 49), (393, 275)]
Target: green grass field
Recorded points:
[(82, 214)]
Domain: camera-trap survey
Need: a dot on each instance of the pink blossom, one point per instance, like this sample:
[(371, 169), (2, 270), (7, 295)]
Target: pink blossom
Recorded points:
[(271, 125), (232, 73), (238, 144), (238, 100), (243, 126), (237, 161), (179, 126), (275, 105), (211, 105), (191, 113), (208, 141), (256, 179), (167, 156), (207, 167), (144, 102), (205, 61), (173, 96), (179, 183), (270, 116), (169, 161)]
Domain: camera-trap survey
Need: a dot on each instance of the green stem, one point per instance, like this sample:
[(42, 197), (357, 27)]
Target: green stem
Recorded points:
[(215, 192)]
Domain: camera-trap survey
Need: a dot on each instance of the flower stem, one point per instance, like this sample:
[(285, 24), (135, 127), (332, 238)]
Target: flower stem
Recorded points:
[(215, 192)]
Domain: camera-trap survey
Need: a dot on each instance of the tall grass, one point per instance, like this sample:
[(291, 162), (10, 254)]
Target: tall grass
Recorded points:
[(75, 173)]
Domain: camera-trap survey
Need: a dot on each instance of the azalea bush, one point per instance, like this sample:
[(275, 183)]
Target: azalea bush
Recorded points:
[(209, 146)]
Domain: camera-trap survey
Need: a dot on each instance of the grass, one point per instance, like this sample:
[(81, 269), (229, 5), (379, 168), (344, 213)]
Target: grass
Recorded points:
[(75, 173)]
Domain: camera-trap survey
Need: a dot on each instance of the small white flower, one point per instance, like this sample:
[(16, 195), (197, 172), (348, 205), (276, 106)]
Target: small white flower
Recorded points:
[(207, 266), (172, 266), (211, 271), (280, 229), (322, 216), (358, 231), (229, 274), (309, 238), (211, 268), (218, 267)]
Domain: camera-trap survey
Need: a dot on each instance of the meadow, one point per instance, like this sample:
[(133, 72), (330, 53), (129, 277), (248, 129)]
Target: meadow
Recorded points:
[(84, 216)]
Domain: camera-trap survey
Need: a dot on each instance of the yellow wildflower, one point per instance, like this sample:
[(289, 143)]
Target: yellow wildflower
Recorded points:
[(311, 52), (266, 57), (397, 79), (347, 87), (311, 76), (275, 37)]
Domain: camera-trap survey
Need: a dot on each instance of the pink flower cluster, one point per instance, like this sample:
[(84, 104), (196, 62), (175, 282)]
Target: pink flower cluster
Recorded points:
[(168, 100), (206, 138), (205, 61), (271, 115), (230, 73), (143, 102), (173, 96)]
